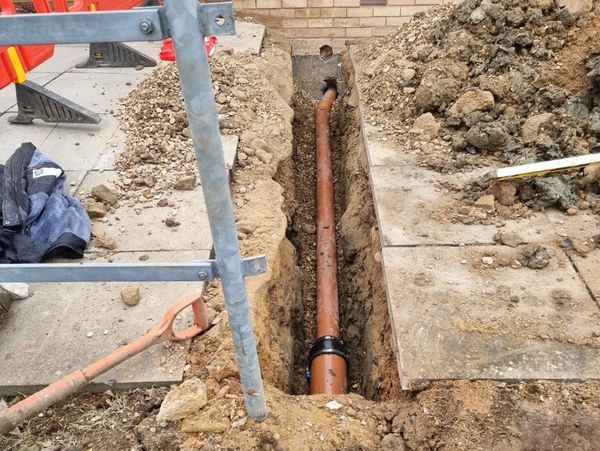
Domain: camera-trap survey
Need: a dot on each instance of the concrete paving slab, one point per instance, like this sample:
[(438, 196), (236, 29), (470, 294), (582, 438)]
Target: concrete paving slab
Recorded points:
[(248, 38), (13, 135), (582, 226), (65, 57), (106, 159), (465, 321), (46, 336), (402, 191), (385, 153), (74, 180), (80, 146), (146, 230), (7, 98), (588, 267), (99, 92)]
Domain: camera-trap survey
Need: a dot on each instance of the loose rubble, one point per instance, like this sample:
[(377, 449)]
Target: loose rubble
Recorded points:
[(489, 85), (131, 296), (187, 399)]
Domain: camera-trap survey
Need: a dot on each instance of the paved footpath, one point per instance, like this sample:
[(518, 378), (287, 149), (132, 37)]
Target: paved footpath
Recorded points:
[(63, 327)]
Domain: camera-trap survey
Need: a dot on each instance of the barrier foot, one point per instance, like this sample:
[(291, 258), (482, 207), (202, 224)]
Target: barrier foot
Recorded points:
[(36, 102), (115, 54)]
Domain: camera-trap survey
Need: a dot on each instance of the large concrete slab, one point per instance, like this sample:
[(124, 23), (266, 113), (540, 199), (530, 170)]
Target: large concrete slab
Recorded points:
[(581, 226), (248, 38), (454, 318), (457, 320), (588, 267), (145, 229), (13, 135), (46, 336), (409, 201), (80, 146), (97, 91), (65, 57)]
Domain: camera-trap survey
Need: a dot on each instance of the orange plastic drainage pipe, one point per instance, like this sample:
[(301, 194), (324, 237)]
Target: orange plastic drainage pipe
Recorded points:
[(327, 356)]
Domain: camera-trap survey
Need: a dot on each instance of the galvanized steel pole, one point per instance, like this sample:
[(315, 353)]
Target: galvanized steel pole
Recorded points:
[(196, 85)]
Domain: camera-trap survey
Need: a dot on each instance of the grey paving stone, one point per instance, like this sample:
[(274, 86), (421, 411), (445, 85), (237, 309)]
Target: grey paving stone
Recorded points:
[(65, 57), (146, 230), (582, 226), (248, 38), (45, 337), (457, 321), (589, 269), (74, 179), (409, 199), (13, 135), (99, 92), (81, 146)]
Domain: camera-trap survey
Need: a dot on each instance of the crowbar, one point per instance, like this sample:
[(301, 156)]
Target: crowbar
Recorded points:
[(71, 383)]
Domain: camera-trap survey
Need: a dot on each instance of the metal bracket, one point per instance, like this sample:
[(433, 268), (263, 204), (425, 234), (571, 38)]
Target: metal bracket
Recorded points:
[(36, 102), (136, 25), (216, 19), (203, 271), (115, 54)]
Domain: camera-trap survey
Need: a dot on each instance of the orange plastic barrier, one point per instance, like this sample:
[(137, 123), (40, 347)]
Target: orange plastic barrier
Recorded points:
[(96, 5), (110, 5), (29, 56)]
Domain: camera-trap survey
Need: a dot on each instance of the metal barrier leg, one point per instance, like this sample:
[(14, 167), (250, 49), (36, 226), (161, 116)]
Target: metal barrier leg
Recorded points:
[(36, 102), (187, 31), (115, 54)]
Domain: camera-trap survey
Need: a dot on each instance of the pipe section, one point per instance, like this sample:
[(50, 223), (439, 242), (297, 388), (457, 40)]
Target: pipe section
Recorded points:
[(327, 356)]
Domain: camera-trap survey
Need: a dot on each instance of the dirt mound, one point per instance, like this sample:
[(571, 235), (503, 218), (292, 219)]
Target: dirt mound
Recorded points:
[(488, 83), (159, 156)]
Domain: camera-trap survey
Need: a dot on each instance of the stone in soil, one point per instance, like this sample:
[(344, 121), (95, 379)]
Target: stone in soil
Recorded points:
[(95, 209), (131, 296), (508, 239), (531, 127), (105, 194), (504, 193), (183, 401), (102, 238), (427, 124), (471, 101), (186, 183), (535, 256), (17, 291), (486, 203)]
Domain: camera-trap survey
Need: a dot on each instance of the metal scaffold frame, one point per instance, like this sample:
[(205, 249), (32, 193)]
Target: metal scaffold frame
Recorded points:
[(187, 22)]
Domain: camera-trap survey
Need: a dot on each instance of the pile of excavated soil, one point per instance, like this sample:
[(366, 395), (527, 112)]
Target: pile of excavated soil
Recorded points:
[(492, 83), (159, 156)]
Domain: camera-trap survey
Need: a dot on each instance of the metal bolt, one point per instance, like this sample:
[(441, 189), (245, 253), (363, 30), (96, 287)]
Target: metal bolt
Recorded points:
[(146, 26), (202, 275)]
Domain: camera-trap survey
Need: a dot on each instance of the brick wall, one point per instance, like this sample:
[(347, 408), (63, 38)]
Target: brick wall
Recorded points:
[(313, 23)]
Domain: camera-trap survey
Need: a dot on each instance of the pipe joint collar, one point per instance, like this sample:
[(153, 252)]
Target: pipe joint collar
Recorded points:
[(327, 344)]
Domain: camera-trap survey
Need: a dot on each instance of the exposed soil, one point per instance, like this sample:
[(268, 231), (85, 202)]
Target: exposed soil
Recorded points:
[(489, 84), (298, 177), (272, 192)]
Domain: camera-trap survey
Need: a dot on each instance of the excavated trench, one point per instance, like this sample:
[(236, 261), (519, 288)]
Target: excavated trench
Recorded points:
[(364, 318)]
